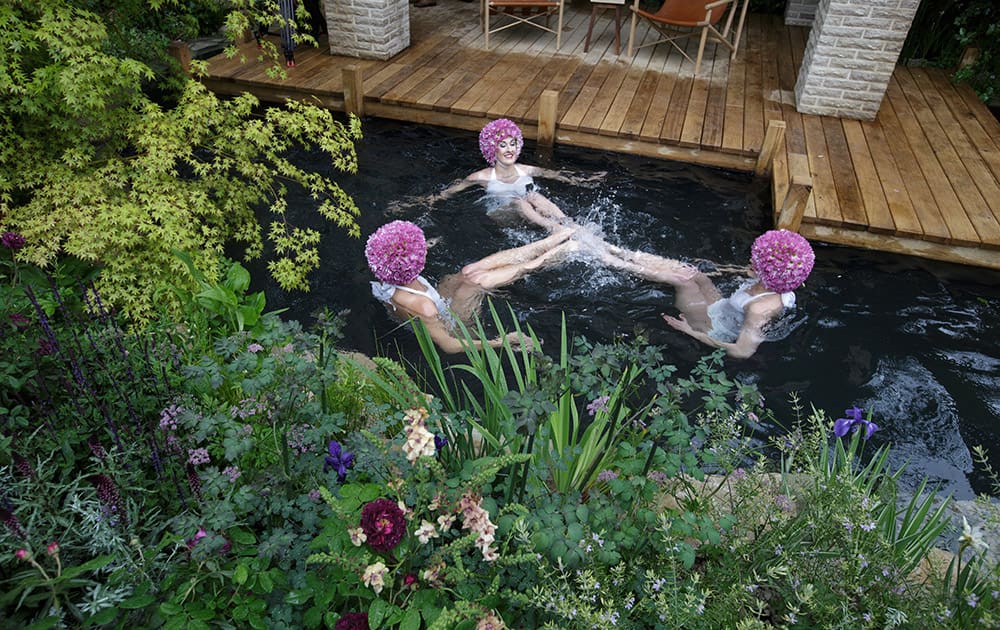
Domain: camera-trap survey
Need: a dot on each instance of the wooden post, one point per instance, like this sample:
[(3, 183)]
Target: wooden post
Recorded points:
[(799, 191), (548, 103), (354, 91), (179, 50), (773, 138), (969, 56)]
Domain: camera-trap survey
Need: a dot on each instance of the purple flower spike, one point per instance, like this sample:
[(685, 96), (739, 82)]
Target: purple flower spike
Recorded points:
[(12, 241), (338, 459)]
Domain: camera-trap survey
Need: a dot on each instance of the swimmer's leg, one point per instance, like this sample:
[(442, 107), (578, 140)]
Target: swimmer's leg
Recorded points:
[(694, 291), (511, 265), (528, 211), (544, 206), (518, 254)]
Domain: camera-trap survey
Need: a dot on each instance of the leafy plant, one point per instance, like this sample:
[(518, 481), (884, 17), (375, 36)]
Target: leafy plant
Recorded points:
[(95, 168), (226, 301)]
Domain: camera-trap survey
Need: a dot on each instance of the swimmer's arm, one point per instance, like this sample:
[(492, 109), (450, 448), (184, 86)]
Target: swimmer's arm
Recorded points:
[(449, 344), (743, 348), (456, 187), (567, 176)]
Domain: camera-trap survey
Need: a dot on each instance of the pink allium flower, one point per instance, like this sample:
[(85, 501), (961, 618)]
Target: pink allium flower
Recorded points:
[(383, 523), (782, 260), (396, 252), (493, 133), (53, 548), (23, 554)]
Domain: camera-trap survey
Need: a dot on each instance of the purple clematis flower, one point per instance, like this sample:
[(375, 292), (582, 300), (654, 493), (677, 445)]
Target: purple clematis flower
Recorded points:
[(853, 422), (339, 459)]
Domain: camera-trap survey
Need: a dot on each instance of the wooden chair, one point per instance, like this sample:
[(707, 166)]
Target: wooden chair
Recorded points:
[(683, 19), (534, 13)]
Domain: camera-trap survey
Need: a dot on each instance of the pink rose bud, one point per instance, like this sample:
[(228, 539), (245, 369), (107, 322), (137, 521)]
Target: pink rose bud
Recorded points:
[(53, 548)]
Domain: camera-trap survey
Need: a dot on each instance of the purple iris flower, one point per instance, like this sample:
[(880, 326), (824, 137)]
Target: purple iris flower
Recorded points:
[(338, 458), (853, 422), (439, 443)]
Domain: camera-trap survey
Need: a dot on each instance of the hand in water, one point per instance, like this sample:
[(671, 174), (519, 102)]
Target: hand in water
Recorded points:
[(590, 181), (677, 323)]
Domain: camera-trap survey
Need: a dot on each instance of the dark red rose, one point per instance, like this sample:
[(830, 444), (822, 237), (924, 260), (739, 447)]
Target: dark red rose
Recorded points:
[(383, 523), (352, 621)]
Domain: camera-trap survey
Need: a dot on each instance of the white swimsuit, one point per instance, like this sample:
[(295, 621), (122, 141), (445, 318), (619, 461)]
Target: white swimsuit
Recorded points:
[(727, 314), (383, 291), (516, 188)]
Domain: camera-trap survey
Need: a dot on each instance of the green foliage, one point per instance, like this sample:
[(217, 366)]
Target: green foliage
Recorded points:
[(93, 168), (941, 31), (224, 307)]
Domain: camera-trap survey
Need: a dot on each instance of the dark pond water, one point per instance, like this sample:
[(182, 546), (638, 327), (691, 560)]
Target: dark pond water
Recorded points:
[(917, 342)]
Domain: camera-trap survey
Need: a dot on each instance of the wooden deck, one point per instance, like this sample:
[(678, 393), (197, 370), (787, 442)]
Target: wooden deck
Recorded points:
[(922, 179)]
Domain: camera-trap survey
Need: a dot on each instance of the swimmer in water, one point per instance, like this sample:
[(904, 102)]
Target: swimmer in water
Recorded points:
[(780, 262), (396, 254), (510, 183)]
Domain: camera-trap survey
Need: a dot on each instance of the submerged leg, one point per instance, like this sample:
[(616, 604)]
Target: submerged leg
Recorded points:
[(694, 291)]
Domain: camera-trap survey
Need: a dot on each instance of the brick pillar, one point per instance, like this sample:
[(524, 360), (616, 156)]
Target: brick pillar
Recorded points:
[(368, 29), (800, 12), (852, 50)]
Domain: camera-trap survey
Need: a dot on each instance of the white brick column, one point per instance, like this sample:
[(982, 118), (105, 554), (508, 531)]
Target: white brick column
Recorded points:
[(800, 12), (852, 50), (368, 29)]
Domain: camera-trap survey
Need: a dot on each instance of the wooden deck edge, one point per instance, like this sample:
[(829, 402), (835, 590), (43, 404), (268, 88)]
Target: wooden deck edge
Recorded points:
[(900, 245)]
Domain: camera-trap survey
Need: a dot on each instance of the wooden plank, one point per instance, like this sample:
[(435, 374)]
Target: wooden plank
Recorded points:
[(715, 106), (869, 186), (660, 104), (962, 255), (852, 206), (732, 126), (694, 116), (619, 108), (898, 201), (601, 106), (964, 105), (970, 202), (959, 227), (489, 87), (936, 94), (526, 73), (827, 206), (553, 75), (753, 109), (584, 100), (639, 107), (911, 179), (787, 76), (673, 122), (445, 68)]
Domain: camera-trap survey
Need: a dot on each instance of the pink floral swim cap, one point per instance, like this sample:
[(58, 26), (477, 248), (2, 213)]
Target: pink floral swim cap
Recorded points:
[(782, 260), (493, 133), (396, 252)]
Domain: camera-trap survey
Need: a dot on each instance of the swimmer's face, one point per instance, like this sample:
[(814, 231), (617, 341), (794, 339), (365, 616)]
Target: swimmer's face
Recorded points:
[(507, 150)]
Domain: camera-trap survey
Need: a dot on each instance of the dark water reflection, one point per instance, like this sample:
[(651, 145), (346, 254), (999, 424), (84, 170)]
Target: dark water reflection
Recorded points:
[(917, 342)]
